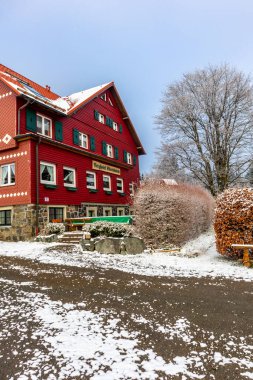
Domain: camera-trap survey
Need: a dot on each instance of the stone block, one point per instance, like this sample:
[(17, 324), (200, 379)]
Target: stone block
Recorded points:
[(134, 245), (108, 245)]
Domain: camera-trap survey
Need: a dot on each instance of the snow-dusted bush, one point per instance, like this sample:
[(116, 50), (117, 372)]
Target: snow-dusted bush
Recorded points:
[(172, 214), (233, 223), (109, 229), (54, 228)]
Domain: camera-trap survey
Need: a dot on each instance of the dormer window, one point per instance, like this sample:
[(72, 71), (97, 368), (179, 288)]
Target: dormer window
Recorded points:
[(44, 125)]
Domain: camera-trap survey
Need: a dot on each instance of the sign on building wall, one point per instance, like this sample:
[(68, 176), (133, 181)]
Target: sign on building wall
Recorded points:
[(105, 168)]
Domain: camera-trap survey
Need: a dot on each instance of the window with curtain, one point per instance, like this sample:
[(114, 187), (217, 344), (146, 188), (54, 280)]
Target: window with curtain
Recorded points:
[(7, 174), (47, 173)]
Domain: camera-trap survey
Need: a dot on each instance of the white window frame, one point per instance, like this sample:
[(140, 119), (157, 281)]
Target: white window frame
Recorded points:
[(107, 209), (122, 185), (43, 126), (95, 180), (110, 182), (103, 97), (81, 139), (129, 158), (110, 102), (109, 151), (120, 209), (69, 184), (101, 118), (54, 167), (9, 174), (91, 209), (115, 126), (131, 188)]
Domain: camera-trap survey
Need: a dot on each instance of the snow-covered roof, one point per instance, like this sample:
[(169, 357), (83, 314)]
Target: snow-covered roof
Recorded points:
[(65, 105), (28, 88)]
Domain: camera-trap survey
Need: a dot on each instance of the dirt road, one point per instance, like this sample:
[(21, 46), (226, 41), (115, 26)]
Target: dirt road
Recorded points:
[(60, 322)]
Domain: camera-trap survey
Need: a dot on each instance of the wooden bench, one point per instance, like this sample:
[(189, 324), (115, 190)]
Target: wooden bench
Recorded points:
[(245, 247), (73, 223)]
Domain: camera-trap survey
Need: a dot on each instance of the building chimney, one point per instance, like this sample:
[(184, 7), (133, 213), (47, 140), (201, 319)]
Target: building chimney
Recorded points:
[(48, 88)]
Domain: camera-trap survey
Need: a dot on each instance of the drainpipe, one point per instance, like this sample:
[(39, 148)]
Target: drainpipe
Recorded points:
[(37, 184), (20, 108)]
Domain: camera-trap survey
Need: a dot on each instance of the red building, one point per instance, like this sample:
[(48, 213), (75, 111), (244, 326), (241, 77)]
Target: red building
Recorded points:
[(62, 156)]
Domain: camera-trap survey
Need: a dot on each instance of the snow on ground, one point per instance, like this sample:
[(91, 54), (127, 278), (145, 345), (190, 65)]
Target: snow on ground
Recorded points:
[(72, 341), (207, 263)]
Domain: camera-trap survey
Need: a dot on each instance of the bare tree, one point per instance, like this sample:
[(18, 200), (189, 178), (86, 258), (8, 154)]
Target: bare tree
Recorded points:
[(207, 122), (167, 165)]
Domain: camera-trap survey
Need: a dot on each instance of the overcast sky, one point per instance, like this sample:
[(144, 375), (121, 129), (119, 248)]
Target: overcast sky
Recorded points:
[(142, 45)]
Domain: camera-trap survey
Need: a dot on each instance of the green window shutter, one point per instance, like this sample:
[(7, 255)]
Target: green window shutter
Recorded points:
[(107, 121), (31, 124), (92, 143), (134, 160), (116, 153), (58, 131), (120, 128), (75, 136), (96, 114), (125, 156), (104, 149)]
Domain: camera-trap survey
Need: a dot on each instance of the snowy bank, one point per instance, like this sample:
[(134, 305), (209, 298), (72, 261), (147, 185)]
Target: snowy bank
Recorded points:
[(207, 264)]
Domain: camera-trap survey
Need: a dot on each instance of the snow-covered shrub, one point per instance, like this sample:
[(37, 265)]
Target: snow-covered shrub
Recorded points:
[(54, 228), (233, 222), (109, 229), (172, 214)]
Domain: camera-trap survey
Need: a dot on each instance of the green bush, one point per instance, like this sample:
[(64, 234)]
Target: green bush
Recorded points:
[(54, 228), (109, 229)]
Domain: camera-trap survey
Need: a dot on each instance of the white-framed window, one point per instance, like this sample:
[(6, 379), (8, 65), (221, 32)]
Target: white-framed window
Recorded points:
[(69, 177), (129, 158), (103, 97), (47, 173), (101, 118), (106, 182), (83, 140), (7, 174), (131, 188), (91, 180), (120, 211), (120, 187), (107, 211), (110, 102), (44, 125), (91, 212), (109, 150), (115, 126)]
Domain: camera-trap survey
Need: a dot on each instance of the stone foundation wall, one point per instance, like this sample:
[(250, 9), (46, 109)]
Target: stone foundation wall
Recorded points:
[(23, 224), (24, 219)]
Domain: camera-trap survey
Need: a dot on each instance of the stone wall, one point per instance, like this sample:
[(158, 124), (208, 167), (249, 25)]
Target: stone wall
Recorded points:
[(23, 224), (24, 219)]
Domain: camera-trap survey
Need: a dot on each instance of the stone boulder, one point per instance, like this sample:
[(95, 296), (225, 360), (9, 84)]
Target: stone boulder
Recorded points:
[(127, 245), (108, 245), (47, 238), (134, 245), (87, 245)]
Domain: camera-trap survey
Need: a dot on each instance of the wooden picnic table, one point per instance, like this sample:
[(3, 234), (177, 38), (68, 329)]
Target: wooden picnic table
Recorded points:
[(246, 260)]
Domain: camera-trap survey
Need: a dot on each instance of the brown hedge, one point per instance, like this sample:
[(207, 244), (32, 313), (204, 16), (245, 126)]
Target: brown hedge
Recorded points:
[(168, 214), (233, 223)]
